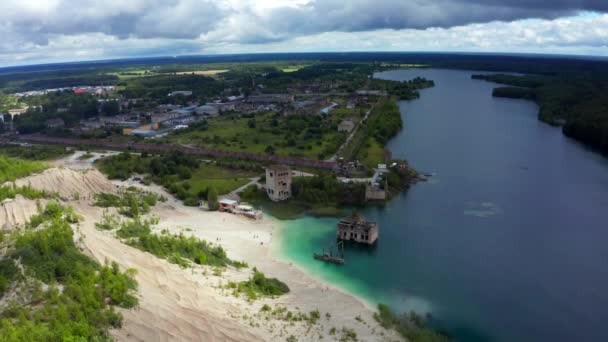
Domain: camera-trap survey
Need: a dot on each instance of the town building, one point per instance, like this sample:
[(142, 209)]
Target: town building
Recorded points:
[(270, 98), (347, 125), (181, 92), (55, 123), (357, 228), (371, 92), (278, 182), (168, 107), (328, 109), (224, 106), (17, 111), (207, 110), (373, 192)]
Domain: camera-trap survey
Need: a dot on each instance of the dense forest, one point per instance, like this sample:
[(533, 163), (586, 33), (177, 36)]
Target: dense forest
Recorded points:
[(18, 82), (575, 101)]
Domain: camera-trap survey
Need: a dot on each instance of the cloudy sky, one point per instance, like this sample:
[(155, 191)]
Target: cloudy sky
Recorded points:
[(41, 31)]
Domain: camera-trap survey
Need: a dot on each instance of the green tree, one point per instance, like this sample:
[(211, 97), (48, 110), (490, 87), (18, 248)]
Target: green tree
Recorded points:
[(212, 199)]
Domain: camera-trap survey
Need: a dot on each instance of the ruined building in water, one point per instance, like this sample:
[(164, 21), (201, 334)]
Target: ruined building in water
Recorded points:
[(357, 229)]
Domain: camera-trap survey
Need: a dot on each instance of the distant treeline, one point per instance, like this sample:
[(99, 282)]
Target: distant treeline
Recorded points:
[(527, 63), (575, 101), (20, 82)]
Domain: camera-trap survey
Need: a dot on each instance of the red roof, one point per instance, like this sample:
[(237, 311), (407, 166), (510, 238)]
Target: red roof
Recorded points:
[(80, 91)]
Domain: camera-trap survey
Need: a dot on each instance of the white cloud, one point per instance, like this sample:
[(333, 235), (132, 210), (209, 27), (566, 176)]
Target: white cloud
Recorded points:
[(59, 30)]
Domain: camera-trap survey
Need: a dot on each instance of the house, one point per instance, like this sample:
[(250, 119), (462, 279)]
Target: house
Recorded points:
[(207, 110), (278, 182), (371, 92), (181, 92), (328, 109), (357, 228), (224, 106), (373, 192), (168, 107), (55, 123), (143, 131), (87, 125), (17, 111), (351, 103), (270, 99), (347, 125)]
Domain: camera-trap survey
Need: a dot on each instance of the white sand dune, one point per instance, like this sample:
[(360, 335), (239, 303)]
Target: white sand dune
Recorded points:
[(68, 183), (173, 304)]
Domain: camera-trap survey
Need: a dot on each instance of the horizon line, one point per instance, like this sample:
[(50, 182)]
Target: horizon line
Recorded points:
[(126, 59)]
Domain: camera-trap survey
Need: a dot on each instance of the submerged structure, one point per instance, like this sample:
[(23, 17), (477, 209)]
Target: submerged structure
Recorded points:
[(328, 255), (357, 228)]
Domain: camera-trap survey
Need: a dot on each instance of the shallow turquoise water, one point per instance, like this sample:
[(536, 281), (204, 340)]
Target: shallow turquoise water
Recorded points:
[(506, 243)]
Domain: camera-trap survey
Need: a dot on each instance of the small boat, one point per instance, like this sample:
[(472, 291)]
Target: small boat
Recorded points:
[(328, 256)]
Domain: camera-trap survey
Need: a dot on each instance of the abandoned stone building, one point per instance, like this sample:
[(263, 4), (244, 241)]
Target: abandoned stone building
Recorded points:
[(357, 228), (278, 182)]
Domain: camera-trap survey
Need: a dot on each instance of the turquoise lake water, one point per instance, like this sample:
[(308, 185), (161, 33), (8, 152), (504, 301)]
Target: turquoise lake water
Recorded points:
[(507, 242)]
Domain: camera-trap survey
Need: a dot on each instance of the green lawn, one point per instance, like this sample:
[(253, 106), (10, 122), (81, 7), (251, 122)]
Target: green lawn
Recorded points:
[(234, 133), (131, 74), (224, 180), (371, 153), (292, 68)]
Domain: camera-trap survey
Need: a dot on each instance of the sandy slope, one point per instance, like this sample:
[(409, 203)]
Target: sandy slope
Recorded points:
[(70, 184), (190, 304), (173, 304), (14, 213)]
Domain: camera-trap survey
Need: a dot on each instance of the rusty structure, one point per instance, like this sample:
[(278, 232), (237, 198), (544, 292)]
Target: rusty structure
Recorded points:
[(165, 148)]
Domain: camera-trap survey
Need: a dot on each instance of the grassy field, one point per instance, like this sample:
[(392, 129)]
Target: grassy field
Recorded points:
[(371, 153), (234, 133), (129, 73), (292, 68), (202, 72), (224, 180), (11, 169)]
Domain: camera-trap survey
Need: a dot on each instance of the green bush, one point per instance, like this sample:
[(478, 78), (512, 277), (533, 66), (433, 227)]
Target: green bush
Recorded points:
[(410, 325), (78, 304), (212, 199), (11, 169), (27, 191), (177, 249), (259, 285)]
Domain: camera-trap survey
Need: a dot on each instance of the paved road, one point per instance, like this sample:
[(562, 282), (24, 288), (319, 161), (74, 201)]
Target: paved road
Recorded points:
[(235, 193)]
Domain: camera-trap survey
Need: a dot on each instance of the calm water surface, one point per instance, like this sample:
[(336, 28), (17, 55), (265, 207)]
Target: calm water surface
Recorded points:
[(508, 242)]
